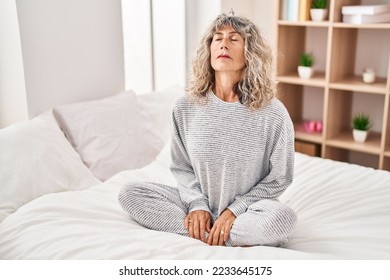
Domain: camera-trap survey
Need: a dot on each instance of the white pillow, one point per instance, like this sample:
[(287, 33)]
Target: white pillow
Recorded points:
[(36, 159), (158, 105), (110, 134)]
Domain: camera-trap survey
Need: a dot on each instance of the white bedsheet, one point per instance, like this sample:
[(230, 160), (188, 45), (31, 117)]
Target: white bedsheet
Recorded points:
[(343, 212)]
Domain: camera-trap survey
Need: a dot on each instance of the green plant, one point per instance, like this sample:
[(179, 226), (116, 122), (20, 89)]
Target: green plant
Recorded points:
[(319, 4), (361, 121), (306, 59)]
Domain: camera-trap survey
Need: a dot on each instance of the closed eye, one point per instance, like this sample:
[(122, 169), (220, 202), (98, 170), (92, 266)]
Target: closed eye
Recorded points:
[(234, 39)]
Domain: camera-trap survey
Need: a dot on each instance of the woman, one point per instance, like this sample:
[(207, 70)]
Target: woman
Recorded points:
[(232, 148)]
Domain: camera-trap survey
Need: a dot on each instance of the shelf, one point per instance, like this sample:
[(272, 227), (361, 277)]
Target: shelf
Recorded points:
[(337, 91), (355, 84), (318, 80), (345, 141), (366, 25), (301, 134), (307, 23)]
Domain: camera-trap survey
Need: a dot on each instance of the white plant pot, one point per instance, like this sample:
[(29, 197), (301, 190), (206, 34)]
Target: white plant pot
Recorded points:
[(305, 72), (318, 14), (360, 135)]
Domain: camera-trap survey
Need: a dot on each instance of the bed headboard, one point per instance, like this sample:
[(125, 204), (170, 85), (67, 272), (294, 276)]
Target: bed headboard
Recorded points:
[(72, 51)]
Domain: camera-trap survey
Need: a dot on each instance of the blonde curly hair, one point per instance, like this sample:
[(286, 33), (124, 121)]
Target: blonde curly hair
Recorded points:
[(257, 85)]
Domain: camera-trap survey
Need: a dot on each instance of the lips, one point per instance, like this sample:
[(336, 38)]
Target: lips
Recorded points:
[(223, 56)]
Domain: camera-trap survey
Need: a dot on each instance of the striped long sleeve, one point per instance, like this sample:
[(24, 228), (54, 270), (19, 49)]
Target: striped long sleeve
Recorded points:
[(189, 186)]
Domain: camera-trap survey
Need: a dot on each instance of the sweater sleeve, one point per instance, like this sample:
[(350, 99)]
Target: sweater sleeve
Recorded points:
[(281, 171), (181, 168)]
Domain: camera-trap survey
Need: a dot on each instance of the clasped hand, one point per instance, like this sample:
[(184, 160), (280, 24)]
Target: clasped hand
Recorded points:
[(198, 223)]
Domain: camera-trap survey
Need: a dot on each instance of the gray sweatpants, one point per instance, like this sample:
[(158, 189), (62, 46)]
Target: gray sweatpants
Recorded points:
[(159, 207)]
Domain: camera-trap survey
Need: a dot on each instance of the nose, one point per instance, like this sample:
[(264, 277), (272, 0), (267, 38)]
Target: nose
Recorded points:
[(224, 44)]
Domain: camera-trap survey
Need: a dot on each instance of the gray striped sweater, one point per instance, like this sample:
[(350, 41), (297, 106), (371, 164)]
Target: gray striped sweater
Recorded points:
[(227, 156)]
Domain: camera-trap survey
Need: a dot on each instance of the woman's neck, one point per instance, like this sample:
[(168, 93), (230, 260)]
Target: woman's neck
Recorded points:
[(224, 84)]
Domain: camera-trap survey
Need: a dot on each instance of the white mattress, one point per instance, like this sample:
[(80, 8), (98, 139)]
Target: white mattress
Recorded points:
[(343, 212)]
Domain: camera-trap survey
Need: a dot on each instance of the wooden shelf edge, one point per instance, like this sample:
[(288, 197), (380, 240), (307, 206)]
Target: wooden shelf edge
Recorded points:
[(318, 80), (306, 23), (345, 141), (308, 137), (355, 83), (365, 25)]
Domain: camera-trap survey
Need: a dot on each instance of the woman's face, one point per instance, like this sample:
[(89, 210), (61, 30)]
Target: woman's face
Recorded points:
[(227, 50)]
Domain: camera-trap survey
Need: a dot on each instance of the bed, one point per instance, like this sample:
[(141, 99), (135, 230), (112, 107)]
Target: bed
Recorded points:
[(60, 174)]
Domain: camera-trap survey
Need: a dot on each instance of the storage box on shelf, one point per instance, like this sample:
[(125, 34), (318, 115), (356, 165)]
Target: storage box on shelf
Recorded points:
[(343, 47)]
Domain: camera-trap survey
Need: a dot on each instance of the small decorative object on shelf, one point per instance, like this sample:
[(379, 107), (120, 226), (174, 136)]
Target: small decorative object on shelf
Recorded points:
[(305, 68), (360, 123), (319, 11), (312, 126), (304, 10), (358, 14), (369, 75)]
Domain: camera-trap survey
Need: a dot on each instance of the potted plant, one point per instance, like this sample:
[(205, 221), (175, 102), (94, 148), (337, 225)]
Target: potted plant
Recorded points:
[(305, 68), (319, 11), (360, 123)]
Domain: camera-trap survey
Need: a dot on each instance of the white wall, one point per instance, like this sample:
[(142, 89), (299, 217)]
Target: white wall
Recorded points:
[(137, 37), (13, 104), (265, 16), (241, 8), (72, 50), (169, 45)]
